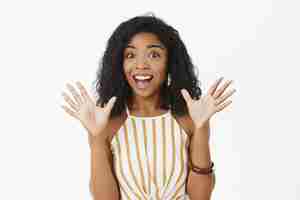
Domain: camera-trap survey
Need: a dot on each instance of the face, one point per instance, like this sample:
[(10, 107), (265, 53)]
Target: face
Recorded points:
[(145, 59)]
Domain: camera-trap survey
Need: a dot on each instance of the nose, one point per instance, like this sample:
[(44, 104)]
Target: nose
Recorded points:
[(142, 63)]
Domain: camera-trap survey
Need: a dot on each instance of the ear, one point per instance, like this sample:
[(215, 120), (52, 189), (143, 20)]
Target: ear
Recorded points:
[(186, 95)]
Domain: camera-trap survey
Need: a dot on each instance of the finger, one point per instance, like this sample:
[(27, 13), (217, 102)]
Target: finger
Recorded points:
[(213, 88), (223, 105), (186, 95), (110, 103), (70, 101), (69, 111), (220, 91), (84, 92), (222, 98), (75, 94)]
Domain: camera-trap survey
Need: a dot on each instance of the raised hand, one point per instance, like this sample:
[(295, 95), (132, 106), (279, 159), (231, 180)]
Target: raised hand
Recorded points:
[(92, 117), (203, 109)]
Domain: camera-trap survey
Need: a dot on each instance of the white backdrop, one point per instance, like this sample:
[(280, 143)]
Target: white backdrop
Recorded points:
[(44, 153)]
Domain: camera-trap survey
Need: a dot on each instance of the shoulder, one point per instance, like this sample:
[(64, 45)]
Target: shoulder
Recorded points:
[(186, 123)]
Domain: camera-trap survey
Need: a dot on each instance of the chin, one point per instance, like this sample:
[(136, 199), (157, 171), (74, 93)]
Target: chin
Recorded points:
[(144, 92)]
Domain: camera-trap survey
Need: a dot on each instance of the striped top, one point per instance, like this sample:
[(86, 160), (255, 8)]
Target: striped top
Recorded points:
[(150, 157)]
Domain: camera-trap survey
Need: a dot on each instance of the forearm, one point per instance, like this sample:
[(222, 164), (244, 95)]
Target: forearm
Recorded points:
[(200, 186), (199, 147), (103, 183)]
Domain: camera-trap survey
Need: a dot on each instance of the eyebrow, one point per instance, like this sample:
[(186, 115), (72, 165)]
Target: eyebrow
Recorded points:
[(148, 46)]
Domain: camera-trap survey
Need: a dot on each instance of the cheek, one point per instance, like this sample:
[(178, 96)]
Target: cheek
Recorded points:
[(127, 71), (128, 66), (161, 73)]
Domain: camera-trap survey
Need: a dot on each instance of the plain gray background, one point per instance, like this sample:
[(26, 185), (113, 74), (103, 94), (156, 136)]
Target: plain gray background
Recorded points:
[(44, 153)]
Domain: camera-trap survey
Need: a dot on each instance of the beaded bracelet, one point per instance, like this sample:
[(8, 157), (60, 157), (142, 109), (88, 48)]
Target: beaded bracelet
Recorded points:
[(205, 171)]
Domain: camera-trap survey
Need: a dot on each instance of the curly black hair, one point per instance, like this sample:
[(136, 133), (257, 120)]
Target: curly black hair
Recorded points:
[(111, 81)]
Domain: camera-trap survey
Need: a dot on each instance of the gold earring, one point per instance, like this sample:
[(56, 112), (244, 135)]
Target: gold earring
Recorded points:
[(169, 80)]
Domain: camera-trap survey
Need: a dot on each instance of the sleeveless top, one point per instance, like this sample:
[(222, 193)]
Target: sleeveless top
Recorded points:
[(150, 158)]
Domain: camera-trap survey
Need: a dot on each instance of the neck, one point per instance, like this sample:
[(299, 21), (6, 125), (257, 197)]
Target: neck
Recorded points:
[(145, 105)]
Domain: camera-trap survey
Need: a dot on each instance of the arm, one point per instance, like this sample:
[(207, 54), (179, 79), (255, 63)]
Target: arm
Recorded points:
[(103, 184), (200, 187), (201, 110)]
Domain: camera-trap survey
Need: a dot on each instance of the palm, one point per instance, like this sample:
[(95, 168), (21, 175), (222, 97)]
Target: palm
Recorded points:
[(92, 117), (205, 104), (203, 109)]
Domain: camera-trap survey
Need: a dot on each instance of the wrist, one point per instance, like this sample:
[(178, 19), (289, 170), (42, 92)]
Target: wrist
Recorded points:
[(200, 135), (201, 125), (96, 141)]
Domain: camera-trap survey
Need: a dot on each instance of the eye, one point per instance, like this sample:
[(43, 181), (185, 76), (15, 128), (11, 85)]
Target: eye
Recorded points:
[(128, 55), (154, 54)]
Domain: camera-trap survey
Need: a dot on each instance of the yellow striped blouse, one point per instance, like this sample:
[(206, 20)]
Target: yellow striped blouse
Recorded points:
[(150, 156)]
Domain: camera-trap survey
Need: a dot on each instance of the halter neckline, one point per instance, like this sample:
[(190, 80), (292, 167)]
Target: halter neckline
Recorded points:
[(138, 117)]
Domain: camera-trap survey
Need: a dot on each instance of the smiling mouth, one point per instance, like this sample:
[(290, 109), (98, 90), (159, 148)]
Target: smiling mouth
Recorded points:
[(142, 81)]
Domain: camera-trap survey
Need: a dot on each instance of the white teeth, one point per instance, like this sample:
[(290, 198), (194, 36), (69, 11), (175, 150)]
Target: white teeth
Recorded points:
[(138, 77)]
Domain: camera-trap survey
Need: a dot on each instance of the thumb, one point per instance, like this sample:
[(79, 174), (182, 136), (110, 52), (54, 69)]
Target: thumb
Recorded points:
[(185, 95), (110, 103)]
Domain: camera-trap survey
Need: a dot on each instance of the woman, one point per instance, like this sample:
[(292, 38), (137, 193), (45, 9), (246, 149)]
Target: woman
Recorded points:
[(149, 127)]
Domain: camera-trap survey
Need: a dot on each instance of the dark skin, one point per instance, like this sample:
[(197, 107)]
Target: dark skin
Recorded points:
[(139, 58), (115, 124), (145, 54)]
